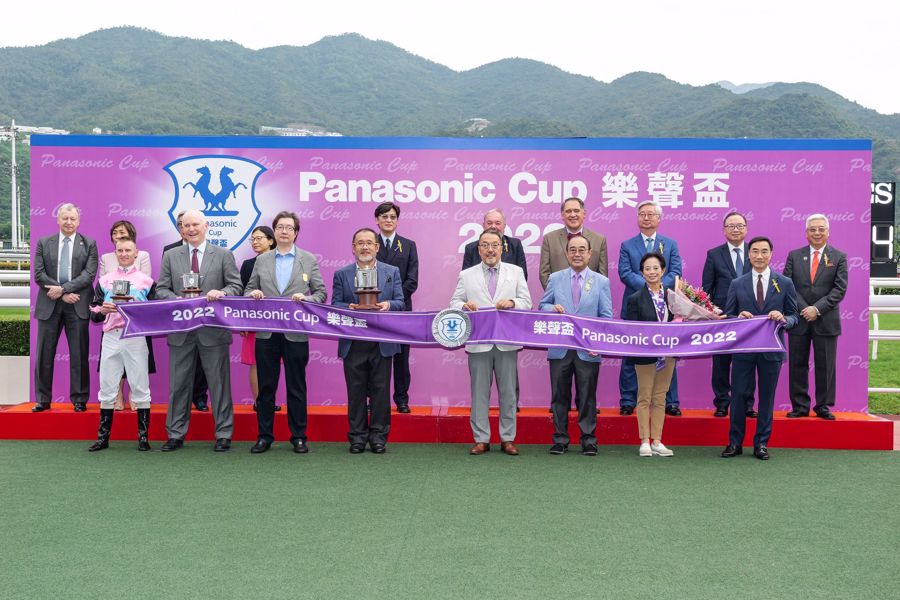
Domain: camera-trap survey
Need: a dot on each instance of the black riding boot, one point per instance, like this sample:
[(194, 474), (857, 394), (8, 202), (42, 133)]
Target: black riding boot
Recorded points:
[(106, 419), (143, 415)]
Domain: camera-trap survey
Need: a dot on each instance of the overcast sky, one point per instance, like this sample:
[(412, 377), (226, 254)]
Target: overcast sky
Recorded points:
[(845, 46)]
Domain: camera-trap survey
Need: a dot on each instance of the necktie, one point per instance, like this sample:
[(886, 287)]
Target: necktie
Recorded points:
[(738, 263), (195, 262), (64, 262), (492, 281), (815, 266), (650, 245), (570, 235), (576, 289), (760, 301)]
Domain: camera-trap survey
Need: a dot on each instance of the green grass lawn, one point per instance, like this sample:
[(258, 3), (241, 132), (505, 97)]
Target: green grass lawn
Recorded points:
[(430, 522), (13, 314), (885, 372)]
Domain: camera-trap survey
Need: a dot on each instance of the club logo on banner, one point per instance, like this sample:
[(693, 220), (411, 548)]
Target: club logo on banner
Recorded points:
[(451, 328), (223, 188)]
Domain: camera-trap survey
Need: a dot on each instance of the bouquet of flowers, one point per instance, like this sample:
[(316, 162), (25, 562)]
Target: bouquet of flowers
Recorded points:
[(692, 303)]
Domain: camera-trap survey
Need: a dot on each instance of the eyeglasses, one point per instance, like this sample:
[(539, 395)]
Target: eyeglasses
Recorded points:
[(388, 217), (738, 227), (364, 244), (486, 246), (816, 229), (284, 228), (258, 238), (577, 250), (646, 215)]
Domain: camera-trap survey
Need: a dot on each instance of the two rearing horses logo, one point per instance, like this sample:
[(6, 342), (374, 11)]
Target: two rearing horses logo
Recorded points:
[(214, 204)]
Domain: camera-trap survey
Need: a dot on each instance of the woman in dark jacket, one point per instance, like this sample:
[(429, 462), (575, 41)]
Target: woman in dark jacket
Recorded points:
[(262, 239), (653, 374)]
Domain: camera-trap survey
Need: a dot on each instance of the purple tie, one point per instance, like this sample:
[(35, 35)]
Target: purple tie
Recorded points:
[(492, 281), (760, 300), (195, 265), (576, 289)]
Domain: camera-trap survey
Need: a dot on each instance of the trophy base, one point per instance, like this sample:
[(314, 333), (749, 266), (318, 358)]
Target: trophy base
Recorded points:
[(190, 292), (368, 299), (122, 299)]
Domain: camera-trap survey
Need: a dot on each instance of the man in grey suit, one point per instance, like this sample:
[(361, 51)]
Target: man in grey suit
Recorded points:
[(819, 272), (492, 284), (65, 264), (553, 248), (219, 277), (287, 272)]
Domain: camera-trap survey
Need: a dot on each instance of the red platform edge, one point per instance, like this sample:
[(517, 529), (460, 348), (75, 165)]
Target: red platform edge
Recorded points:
[(430, 425)]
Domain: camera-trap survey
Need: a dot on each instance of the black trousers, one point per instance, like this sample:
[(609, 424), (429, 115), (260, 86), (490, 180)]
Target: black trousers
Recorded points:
[(824, 361), (269, 355), (744, 369), (721, 382), (401, 376), (367, 372), (65, 318), (585, 374)]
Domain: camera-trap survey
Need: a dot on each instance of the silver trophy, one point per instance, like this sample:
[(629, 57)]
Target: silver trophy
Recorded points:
[(121, 289), (191, 282), (366, 281)]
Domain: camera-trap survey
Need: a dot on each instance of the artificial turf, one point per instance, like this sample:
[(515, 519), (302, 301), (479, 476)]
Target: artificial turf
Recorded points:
[(428, 521)]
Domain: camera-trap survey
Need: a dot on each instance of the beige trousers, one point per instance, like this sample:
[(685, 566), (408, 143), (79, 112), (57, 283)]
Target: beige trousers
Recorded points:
[(651, 398)]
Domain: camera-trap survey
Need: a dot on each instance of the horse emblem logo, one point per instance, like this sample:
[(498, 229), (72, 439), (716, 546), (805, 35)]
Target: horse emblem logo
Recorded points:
[(451, 328), (223, 188)]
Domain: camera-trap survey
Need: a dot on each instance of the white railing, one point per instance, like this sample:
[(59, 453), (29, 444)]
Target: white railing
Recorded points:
[(879, 304)]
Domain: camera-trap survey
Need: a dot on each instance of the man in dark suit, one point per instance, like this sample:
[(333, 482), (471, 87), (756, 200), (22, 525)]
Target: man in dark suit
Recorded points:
[(367, 365), (723, 264), (819, 272), (513, 252), (553, 247), (760, 292), (65, 264), (199, 393), (287, 272), (631, 252), (394, 249), (219, 277)]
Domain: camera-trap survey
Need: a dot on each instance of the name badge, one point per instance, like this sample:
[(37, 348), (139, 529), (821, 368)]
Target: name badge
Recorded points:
[(305, 277)]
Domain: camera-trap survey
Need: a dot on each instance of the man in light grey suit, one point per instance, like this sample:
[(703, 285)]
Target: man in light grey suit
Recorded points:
[(287, 272), (576, 290), (219, 277), (65, 264), (553, 248), (492, 284)]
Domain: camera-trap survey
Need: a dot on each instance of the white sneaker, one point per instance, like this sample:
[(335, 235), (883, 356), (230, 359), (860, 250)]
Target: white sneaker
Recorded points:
[(645, 450), (659, 449)]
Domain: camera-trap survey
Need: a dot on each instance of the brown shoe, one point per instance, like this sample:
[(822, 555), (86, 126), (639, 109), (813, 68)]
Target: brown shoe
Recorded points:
[(509, 448), (479, 449)]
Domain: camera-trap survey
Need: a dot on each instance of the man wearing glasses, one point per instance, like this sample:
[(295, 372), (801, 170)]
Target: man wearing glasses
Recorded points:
[(723, 264), (512, 251), (285, 272), (819, 272), (630, 253), (401, 252)]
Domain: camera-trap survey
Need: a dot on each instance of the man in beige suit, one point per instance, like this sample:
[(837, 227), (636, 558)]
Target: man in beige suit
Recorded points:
[(286, 272), (492, 284), (553, 248)]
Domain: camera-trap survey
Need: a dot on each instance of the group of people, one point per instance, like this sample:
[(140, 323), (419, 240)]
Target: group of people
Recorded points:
[(573, 273)]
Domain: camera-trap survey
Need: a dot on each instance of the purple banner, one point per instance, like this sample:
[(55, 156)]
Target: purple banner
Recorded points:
[(521, 328)]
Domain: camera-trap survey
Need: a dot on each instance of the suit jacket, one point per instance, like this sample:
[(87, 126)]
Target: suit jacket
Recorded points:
[(218, 271), (825, 293), (595, 301), (630, 253), (513, 254), (81, 281), (247, 271), (168, 247), (553, 253), (109, 262), (640, 307), (403, 255), (343, 294), (305, 279), (511, 285), (742, 296), (718, 272)]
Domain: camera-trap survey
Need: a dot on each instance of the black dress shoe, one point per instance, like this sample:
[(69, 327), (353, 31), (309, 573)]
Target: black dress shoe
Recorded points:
[(40, 407), (277, 408), (300, 446), (673, 411), (254, 406), (762, 453), (80, 407), (796, 414), (202, 406), (403, 409), (357, 448), (720, 412), (589, 450), (172, 444), (222, 445), (824, 413), (751, 414), (626, 410), (557, 449), (731, 451), (260, 446), (379, 448)]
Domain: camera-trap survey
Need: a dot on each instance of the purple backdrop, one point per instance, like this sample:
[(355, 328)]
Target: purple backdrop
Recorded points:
[(444, 186)]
